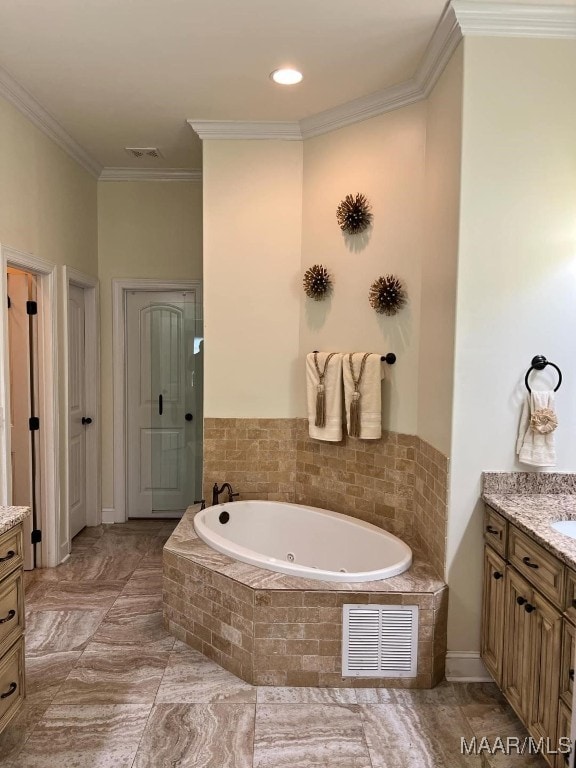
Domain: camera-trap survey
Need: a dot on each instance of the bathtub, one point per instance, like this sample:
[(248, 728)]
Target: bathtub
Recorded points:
[(302, 541)]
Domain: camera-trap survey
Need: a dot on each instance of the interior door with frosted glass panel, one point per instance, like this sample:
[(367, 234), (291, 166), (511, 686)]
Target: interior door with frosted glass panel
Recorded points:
[(163, 449)]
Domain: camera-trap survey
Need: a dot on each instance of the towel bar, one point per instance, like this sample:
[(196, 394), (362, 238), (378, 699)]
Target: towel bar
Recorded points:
[(389, 358)]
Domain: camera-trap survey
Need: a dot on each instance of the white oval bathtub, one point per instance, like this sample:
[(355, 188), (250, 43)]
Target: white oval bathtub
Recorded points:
[(302, 541)]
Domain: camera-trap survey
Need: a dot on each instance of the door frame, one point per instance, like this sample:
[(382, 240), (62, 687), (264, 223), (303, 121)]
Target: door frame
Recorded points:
[(91, 287), (54, 548), (120, 288)]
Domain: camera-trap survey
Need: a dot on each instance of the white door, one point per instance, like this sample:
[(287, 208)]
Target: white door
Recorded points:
[(20, 401), (161, 431), (78, 420)]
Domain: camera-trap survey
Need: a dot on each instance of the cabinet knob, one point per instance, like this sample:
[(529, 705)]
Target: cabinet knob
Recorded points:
[(571, 674), (521, 600), (497, 575), (529, 608), (494, 531), (526, 561)]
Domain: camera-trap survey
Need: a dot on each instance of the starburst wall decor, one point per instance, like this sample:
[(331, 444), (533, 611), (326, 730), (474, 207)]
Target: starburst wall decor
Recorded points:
[(317, 282), (354, 214), (387, 295)]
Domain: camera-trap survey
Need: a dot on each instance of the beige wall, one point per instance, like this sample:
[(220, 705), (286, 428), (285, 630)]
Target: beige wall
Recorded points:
[(516, 279), (47, 201), (440, 256), (145, 229), (48, 209), (384, 159), (252, 245)]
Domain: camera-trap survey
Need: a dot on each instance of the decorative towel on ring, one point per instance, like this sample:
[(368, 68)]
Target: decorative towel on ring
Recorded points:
[(324, 392), (363, 394), (535, 444)]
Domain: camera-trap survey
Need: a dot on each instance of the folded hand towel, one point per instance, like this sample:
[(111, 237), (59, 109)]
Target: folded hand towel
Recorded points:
[(362, 388), (535, 444), (329, 365)]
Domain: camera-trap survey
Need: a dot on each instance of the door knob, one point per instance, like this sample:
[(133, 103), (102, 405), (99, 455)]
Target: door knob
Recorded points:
[(188, 417), (86, 420)]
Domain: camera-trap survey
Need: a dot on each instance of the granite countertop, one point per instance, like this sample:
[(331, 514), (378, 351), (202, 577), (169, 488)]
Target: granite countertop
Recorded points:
[(11, 516), (533, 513)]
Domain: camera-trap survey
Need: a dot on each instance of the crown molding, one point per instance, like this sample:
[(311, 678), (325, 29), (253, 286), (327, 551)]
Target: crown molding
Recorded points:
[(508, 20), (240, 129), (150, 174), (25, 103), (363, 108), (446, 38)]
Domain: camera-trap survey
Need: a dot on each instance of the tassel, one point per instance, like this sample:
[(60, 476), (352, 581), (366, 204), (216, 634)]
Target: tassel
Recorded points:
[(355, 415), (320, 406)]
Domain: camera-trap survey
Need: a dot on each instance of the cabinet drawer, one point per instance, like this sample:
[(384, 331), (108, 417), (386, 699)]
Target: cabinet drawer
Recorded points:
[(10, 550), (11, 610), (567, 662), (495, 531), (11, 683), (541, 568)]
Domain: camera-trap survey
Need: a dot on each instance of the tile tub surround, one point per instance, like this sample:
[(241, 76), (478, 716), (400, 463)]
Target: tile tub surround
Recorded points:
[(274, 629), (398, 483), (11, 516)]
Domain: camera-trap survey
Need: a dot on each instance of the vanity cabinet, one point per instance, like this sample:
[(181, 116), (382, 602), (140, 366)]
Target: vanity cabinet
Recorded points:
[(529, 629), (11, 624)]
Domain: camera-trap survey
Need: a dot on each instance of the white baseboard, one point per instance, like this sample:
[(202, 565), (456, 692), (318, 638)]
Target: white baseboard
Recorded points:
[(108, 516), (466, 667)]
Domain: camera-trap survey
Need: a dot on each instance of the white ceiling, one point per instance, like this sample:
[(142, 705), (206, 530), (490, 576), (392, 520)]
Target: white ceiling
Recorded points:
[(119, 73)]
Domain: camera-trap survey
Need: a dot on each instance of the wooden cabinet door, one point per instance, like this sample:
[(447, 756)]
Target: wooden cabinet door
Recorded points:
[(493, 613), (567, 662), (544, 673), (564, 722), (516, 673)]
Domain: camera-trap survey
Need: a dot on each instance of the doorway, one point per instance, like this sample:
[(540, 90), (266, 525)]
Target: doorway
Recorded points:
[(23, 367), (159, 373), (38, 455), (81, 323)]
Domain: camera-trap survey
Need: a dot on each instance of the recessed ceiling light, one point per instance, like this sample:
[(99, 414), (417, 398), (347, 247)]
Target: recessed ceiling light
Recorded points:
[(286, 76)]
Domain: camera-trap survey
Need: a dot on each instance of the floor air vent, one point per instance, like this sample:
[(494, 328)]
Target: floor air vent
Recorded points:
[(380, 641)]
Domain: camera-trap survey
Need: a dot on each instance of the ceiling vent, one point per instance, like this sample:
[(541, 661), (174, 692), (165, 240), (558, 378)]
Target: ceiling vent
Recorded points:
[(143, 152), (380, 641)]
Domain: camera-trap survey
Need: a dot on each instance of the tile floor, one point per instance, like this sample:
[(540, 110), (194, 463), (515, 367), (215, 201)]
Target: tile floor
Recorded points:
[(108, 687)]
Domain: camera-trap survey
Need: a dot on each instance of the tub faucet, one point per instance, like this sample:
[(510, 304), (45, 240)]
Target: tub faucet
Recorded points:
[(217, 491)]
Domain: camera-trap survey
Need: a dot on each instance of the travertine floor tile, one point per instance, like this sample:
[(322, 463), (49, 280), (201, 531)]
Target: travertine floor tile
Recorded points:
[(309, 736), (442, 694), (198, 736), (50, 631), (192, 678), (72, 595), (144, 581), (413, 736), (44, 676), (85, 737), (135, 621), (93, 567), (116, 676), (492, 721), (281, 695)]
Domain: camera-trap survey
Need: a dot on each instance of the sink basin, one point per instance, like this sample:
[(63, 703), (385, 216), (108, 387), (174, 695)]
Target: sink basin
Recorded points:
[(567, 527)]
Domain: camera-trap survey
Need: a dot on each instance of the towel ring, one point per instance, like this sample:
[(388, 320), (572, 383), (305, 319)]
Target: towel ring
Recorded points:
[(538, 364)]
